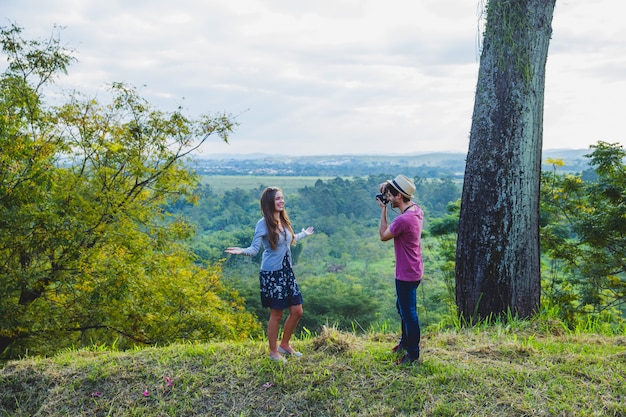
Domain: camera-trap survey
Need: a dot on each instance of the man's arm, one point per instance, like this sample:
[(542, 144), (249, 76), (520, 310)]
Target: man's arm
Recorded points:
[(383, 225)]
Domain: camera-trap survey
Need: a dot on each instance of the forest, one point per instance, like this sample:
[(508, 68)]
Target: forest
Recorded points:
[(346, 272), (109, 237)]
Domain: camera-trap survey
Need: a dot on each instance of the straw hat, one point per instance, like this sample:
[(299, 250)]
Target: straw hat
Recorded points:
[(404, 185)]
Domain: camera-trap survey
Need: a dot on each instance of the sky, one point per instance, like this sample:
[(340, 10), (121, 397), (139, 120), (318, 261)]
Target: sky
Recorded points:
[(332, 77)]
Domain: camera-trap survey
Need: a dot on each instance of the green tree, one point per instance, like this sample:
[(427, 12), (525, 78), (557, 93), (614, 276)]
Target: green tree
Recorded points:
[(584, 235), (88, 250), (498, 255), (444, 231), (338, 300), (434, 195)]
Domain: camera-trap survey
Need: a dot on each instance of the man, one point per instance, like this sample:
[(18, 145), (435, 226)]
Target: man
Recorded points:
[(405, 230)]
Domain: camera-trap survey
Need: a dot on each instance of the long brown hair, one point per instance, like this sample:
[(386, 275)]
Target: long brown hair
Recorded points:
[(268, 210)]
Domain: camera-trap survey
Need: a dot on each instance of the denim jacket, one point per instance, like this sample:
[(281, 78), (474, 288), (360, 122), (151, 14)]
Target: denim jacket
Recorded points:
[(272, 259)]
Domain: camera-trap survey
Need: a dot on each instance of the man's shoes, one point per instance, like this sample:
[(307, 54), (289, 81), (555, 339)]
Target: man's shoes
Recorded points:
[(287, 353), (406, 360), (397, 348)]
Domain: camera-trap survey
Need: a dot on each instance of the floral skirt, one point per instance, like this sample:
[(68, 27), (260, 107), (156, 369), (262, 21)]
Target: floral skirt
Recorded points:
[(279, 289)]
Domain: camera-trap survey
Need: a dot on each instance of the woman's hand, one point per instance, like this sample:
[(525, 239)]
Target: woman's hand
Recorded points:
[(308, 231), (234, 251)]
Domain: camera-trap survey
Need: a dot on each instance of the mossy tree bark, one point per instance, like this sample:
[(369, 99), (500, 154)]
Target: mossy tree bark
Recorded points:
[(497, 260)]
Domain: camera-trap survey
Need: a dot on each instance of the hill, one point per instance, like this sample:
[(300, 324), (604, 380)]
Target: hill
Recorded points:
[(427, 165), (477, 372)]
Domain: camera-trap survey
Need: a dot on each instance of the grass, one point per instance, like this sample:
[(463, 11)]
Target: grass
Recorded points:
[(469, 372)]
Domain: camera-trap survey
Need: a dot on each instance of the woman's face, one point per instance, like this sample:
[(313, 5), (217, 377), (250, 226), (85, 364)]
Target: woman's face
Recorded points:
[(279, 201)]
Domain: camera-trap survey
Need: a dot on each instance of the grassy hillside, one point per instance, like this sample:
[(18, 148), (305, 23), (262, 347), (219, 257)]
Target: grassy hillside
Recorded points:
[(476, 372)]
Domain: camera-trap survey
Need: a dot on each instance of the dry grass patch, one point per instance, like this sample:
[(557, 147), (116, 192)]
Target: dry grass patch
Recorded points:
[(332, 340)]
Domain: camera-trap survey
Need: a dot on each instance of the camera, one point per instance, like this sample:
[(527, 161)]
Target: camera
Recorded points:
[(383, 198)]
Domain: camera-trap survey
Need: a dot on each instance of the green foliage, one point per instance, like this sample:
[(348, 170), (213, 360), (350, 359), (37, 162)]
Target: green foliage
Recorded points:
[(339, 300), (345, 272), (584, 237), (444, 231), (87, 251)]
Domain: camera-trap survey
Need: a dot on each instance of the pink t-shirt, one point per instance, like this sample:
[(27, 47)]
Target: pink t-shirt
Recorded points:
[(407, 230)]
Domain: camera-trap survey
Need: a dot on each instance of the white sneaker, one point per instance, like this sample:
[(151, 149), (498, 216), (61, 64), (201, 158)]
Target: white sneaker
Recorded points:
[(287, 353)]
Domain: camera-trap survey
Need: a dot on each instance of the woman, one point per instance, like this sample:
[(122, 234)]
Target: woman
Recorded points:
[(279, 289)]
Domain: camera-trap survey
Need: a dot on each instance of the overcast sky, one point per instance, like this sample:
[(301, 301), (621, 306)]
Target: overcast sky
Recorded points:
[(333, 76)]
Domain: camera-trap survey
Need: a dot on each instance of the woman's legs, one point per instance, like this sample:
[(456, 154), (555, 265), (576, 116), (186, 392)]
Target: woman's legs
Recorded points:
[(272, 330), (295, 312), (279, 288)]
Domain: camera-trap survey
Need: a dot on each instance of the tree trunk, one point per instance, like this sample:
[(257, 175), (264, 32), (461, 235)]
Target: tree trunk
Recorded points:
[(497, 260)]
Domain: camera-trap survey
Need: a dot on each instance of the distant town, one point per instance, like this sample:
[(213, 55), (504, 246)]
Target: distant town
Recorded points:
[(431, 165)]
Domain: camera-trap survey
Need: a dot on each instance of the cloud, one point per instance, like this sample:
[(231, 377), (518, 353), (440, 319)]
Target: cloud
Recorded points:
[(333, 76)]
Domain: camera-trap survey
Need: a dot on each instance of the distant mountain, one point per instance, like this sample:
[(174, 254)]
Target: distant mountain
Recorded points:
[(427, 165), (574, 159)]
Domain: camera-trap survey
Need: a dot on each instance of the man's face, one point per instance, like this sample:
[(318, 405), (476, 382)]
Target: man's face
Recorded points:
[(393, 200)]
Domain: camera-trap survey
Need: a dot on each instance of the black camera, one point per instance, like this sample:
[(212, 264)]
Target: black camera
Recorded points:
[(383, 198)]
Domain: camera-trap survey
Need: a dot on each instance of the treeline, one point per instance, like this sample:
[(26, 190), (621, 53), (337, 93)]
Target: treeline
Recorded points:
[(332, 206), (434, 165), (345, 272)]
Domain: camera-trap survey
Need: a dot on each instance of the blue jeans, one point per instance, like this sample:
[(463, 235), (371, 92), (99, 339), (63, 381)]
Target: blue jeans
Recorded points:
[(406, 302)]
